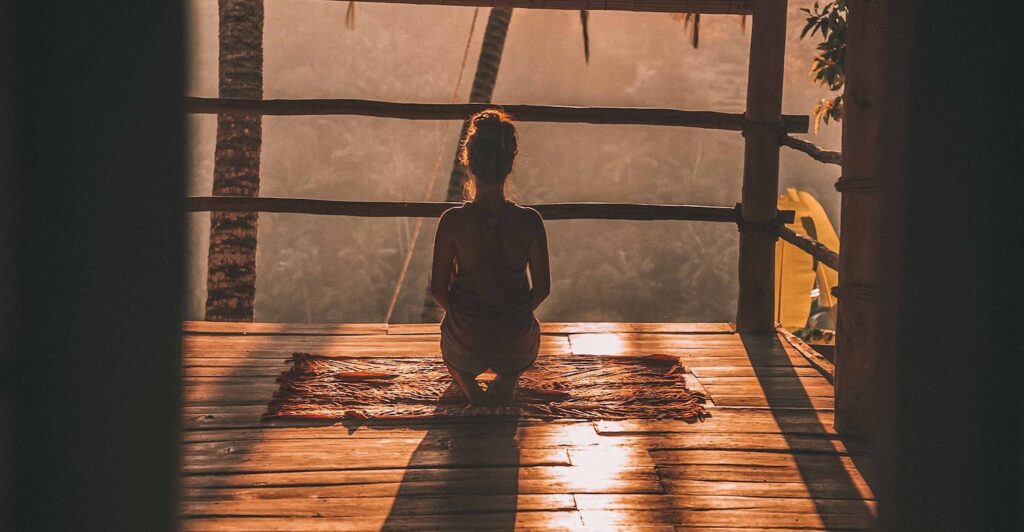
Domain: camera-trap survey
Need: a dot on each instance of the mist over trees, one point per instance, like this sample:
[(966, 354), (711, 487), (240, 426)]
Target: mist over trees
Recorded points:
[(322, 269)]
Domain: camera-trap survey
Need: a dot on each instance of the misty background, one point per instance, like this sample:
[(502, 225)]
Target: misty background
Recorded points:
[(342, 269)]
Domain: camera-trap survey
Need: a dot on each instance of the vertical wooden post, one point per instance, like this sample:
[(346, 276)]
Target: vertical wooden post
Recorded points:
[(761, 167), (858, 344), (931, 216)]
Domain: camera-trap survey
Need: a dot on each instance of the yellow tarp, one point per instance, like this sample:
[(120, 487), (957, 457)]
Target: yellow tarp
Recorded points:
[(795, 273)]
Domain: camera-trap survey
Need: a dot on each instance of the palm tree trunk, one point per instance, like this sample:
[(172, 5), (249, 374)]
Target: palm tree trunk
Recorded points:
[(483, 85), (231, 263), (482, 91)]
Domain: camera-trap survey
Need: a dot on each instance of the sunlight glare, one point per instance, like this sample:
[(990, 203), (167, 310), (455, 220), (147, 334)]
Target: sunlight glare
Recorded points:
[(598, 344)]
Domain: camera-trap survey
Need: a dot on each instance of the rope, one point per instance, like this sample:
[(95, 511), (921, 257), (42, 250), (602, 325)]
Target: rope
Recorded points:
[(433, 180)]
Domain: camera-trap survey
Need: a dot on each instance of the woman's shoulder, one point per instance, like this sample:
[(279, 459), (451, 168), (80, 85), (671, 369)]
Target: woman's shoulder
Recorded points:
[(527, 214), (455, 213), (529, 222), (452, 218)]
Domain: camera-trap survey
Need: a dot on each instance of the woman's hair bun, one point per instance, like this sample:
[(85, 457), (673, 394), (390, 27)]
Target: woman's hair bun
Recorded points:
[(490, 146)]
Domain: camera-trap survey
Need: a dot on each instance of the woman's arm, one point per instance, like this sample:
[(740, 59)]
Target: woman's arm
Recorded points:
[(540, 269), (444, 256)]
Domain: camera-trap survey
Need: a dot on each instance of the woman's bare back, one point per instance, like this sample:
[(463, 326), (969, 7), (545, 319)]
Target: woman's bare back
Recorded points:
[(462, 235), (473, 224), (481, 255)]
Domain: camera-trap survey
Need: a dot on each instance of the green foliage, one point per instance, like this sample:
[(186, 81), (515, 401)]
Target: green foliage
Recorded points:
[(350, 16), (828, 67)]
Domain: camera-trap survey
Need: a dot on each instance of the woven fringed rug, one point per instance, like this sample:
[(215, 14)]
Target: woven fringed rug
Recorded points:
[(556, 387)]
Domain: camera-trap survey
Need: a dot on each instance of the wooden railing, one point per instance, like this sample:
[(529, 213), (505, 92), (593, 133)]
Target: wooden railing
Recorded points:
[(816, 249), (813, 150), (459, 111), (550, 211), (762, 124)]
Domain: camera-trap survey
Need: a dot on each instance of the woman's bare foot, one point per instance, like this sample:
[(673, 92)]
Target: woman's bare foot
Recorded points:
[(503, 388), (470, 388), (476, 395)]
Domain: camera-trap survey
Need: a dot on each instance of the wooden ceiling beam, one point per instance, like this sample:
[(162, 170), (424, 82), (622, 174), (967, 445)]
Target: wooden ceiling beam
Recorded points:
[(711, 7)]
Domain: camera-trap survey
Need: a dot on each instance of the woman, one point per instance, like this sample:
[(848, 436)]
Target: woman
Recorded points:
[(482, 250)]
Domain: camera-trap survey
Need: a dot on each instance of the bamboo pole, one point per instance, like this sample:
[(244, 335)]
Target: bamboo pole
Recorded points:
[(460, 111), (714, 7), (754, 313), (422, 209), (816, 249)]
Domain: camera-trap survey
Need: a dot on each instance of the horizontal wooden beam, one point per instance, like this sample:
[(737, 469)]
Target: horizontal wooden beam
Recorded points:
[(816, 152), (816, 249), (379, 209), (714, 7), (461, 111)]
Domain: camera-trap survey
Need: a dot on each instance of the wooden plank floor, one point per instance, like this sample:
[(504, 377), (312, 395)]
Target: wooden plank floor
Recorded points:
[(767, 457)]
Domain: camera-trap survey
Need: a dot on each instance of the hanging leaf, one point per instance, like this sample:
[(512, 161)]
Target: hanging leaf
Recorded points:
[(584, 16), (350, 16), (828, 109), (691, 21)]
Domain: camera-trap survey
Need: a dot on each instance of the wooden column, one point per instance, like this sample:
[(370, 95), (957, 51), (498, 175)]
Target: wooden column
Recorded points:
[(761, 167), (857, 339), (948, 418), (94, 243)]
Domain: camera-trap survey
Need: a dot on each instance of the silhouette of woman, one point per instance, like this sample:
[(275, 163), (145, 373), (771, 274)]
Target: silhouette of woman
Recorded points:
[(482, 250)]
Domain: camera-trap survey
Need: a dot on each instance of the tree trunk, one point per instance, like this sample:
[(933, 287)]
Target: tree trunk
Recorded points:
[(231, 263), (482, 91)]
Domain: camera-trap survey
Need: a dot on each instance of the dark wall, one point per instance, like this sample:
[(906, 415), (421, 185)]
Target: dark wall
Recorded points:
[(93, 252), (953, 251)]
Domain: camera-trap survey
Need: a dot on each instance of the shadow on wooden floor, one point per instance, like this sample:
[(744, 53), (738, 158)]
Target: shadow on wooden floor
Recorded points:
[(481, 472), (825, 475)]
